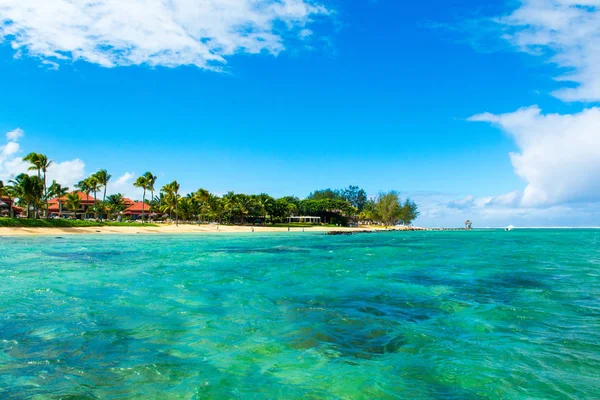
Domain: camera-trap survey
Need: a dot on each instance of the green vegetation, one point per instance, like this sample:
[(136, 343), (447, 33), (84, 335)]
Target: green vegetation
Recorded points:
[(62, 223), (337, 207)]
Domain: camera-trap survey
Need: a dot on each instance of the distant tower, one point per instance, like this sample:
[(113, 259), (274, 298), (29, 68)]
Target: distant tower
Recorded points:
[(468, 225)]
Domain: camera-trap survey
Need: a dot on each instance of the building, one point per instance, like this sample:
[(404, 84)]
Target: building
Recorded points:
[(57, 208), (136, 210), (5, 207)]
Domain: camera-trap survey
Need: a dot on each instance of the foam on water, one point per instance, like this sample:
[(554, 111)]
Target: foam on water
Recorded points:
[(417, 315)]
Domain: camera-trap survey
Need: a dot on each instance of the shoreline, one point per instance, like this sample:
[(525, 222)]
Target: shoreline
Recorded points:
[(181, 229)]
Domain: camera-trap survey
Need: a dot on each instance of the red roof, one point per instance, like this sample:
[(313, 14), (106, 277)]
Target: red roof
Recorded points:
[(128, 202), (85, 199), (136, 208)]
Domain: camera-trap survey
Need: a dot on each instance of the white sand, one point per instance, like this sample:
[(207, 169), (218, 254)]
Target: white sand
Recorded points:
[(165, 229)]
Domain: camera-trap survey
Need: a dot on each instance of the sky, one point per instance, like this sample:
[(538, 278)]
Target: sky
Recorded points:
[(482, 112)]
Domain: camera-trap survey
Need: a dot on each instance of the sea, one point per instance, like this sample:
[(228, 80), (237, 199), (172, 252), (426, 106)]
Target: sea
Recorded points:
[(485, 314)]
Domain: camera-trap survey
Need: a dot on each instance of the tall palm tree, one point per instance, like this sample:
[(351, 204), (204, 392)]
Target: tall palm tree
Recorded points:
[(150, 181), (58, 191), (73, 203), (86, 188), (171, 191), (103, 177), (142, 183), (39, 163), (95, 186)]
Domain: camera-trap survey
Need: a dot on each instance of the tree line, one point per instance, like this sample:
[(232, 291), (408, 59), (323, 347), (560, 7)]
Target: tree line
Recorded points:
[(340, 207)]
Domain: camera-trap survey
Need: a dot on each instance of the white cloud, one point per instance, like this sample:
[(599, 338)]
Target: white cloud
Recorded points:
[(67, 173), (440, 211), (124, 185), (154, 32), (568, 31), (15, 135), (559, 155), (10, 164)]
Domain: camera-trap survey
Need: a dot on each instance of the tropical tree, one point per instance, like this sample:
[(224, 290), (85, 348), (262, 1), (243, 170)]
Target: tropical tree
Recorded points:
[(29, 190), (229, 205), (171, 191), (409, 212), (95, 187), (142, 183), (56, 190), (39, 163), (370, 212), (150, 182), (243, 205), (115, 203), (73, 203), (86, 188), (388, 205), (102, 177)]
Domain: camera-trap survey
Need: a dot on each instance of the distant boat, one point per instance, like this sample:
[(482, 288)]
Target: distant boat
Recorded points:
[(509, 228)]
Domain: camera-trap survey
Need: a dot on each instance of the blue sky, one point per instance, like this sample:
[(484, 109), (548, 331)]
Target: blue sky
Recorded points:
[(378, 94)]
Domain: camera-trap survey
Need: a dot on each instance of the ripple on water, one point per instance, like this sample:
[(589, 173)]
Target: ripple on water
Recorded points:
[(415, 315)]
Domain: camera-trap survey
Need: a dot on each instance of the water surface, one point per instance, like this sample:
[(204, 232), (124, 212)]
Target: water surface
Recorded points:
[(419, 315)]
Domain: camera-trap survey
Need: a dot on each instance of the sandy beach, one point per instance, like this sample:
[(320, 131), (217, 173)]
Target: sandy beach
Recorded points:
[(168, 229)]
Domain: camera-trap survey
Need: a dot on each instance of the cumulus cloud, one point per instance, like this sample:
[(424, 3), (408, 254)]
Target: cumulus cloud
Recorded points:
[(153, 32), (124, 185), (559, 155), (10, 164), (567, 31), (67, 173), (14, 135)]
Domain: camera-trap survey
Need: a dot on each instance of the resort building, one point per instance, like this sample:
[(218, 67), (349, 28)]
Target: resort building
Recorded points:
[(56, 206), (5, 207), (136, 209)]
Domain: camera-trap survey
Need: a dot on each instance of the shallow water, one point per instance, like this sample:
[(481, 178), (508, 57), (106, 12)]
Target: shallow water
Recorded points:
[(413, 315)]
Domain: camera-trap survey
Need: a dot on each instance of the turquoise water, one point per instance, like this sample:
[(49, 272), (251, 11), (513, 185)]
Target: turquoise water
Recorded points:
[(412, 315)]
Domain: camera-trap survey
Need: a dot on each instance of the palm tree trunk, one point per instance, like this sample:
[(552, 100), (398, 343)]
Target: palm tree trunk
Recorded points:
[(103, 203), (143, 205)]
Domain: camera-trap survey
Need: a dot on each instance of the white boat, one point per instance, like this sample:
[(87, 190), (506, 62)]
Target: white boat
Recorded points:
[(509, 228)]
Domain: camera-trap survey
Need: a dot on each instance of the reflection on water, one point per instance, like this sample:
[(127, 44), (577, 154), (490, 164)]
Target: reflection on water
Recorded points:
[(415, 315)]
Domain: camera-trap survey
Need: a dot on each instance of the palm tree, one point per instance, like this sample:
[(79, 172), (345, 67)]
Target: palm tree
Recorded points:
[(29, 190), (58, 191), (142, 183), (229, 204), (103, 177), (85, 187), (39, 163), (95, 187), (73, 203), (150, 181), (2, 190), (115, 203), (171, 191), (244, 204)]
